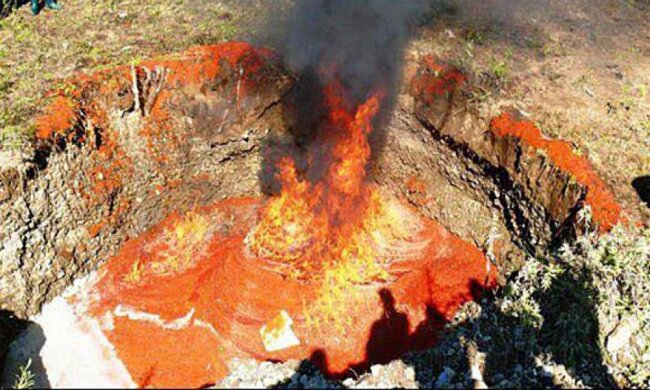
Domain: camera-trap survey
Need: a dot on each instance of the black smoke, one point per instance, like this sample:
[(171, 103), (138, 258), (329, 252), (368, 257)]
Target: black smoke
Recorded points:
[(362, 40), (360, 43)]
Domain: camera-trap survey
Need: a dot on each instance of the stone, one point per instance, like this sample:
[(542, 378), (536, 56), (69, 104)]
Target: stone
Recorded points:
[(442, 381), (622, 334), (547, 371), (269, 381), (646, 357), (409, 374)]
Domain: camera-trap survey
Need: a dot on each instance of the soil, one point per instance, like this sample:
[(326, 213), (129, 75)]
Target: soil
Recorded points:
[(174, 135), (119, 150)]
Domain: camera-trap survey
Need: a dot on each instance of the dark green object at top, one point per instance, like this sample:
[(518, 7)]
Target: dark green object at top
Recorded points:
[(48, 3)]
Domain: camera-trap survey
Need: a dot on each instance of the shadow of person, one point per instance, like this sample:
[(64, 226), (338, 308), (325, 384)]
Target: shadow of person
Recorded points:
[(425, 334), (642, 187), (568, 334), (27, 340), (315, 366), (389, 335)]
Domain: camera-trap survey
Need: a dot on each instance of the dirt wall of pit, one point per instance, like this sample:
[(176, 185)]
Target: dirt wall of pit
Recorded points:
[(497, 182), (119, 150)]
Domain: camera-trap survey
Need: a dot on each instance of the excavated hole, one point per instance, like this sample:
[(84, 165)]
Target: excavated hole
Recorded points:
[(138, 152)]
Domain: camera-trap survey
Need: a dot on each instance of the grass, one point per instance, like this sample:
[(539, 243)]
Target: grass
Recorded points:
[(498, 68), (582, 293), (37, 51), (556, 314), (25, 377)]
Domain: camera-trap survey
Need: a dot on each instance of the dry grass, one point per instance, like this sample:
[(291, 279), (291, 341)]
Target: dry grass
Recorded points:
[(25, 377), (581, 72), (36, 52)]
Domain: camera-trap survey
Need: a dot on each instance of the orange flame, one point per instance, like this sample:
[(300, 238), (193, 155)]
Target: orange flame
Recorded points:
[(314, 226)]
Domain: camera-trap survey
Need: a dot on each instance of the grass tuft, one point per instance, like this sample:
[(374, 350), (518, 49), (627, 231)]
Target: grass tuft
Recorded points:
[(25, 377)]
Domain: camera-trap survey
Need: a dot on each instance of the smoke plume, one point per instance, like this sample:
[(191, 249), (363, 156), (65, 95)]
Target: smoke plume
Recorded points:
[(361, 39), (357, 42)]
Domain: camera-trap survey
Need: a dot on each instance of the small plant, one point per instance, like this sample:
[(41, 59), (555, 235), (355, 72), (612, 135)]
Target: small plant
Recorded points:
[(474, 36), (25, 377), (498, 68), (135, 274)]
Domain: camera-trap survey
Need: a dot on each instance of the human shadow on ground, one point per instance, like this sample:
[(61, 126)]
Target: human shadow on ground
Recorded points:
[(642, 187), (30, 339), (568, 336), (389, 338)]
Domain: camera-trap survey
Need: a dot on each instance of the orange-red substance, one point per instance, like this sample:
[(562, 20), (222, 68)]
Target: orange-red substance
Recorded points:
[(195, 271), (605, 210), (417, 189), (61, 115), (436, 79), (362, 277)]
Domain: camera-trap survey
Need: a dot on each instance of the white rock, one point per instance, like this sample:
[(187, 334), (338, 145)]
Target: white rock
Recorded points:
[(269, 381), (622, 334), (409, 373), (646, 357), (68, 350), (277, 334)]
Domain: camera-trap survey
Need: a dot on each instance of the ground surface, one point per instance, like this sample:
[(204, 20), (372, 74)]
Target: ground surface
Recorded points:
[(581, 69)]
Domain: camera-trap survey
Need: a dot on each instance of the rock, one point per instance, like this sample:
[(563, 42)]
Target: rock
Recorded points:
[(269, 381), (443, 379), (625, 357), (479, 384), (646, 357), (547, 371), (560, 376), (396, 374), (409, 374), (622, 334)]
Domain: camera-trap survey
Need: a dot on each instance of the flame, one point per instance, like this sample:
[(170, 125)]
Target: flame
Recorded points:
[(338, 230), (175, 250), (335, 222)]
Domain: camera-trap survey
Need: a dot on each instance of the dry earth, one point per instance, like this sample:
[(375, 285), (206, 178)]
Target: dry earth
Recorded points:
[(581, 69)]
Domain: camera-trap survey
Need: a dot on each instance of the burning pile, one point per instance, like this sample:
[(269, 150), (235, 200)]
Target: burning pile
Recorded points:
[(331, 269), (341, 219)]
